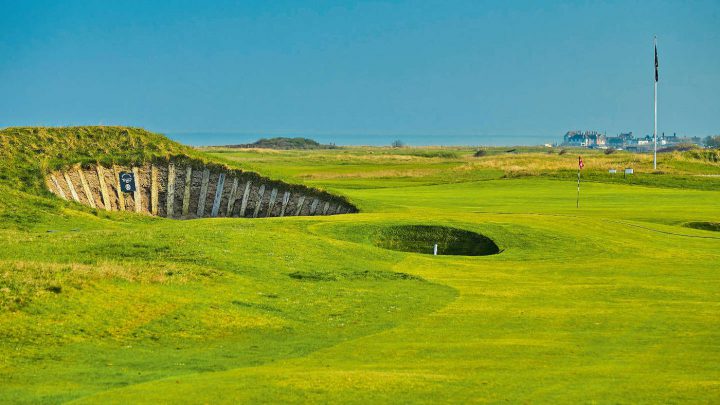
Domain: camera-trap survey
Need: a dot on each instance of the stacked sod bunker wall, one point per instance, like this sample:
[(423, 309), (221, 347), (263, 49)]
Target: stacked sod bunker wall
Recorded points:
[(186, 189)]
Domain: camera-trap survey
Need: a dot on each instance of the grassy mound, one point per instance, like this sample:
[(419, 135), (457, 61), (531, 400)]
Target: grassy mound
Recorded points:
[(26, 153), (284, 143), (422, 238)]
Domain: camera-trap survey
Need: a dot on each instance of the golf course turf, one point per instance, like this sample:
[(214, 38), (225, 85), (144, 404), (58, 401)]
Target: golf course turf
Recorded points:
[(617, 301)]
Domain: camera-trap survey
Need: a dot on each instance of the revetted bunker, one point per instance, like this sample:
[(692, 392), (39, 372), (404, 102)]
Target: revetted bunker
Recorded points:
[(190, 189), (422, 238)]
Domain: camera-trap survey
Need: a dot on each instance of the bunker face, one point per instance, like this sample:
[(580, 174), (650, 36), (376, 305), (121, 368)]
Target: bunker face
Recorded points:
[(191, 190), (706, 226), (422, 239)]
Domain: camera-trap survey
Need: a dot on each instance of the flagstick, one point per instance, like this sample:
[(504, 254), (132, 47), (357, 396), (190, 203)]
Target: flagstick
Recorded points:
[(655, 105), (577, 203)]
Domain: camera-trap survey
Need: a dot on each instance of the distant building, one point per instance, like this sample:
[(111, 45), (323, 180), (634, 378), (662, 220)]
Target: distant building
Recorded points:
[(587, 139), (615, 142), (673, 140), (625, 140), (647, 140), (621, 141)]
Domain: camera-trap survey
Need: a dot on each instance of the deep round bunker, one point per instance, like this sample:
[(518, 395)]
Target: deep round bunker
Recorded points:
[(422, 239)]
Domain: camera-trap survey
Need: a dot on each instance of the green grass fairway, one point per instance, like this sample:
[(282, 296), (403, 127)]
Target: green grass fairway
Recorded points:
[(615, 302)]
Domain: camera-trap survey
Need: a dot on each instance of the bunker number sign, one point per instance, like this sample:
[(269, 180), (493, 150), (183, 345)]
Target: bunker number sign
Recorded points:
[(127, 182)]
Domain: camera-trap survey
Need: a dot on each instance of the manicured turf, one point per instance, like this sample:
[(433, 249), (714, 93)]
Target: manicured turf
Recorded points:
[(617, 301)]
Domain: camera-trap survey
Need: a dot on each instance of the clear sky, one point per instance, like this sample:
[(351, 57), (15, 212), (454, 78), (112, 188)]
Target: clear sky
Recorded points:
[(376, 67)]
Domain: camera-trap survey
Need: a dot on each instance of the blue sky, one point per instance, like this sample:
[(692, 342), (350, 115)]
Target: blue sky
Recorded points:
[(391, 67)]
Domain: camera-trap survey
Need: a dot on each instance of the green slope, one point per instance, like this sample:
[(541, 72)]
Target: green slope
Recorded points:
[(26, 153), (614, 302)]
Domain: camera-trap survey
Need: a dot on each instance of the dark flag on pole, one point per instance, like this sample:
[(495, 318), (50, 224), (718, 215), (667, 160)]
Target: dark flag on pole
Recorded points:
[(580, 163), (656, 64), (655, 85)]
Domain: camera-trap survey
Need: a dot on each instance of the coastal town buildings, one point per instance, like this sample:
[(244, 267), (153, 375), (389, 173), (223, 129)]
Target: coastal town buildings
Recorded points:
[(587, 139), (624, 140)]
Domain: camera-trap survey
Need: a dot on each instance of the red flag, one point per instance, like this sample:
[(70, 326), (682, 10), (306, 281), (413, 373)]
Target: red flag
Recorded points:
[(580, 163)]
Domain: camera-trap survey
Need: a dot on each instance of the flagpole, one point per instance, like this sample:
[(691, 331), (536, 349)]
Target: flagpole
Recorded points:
[(577, 202), (580, 166), (655, 108)]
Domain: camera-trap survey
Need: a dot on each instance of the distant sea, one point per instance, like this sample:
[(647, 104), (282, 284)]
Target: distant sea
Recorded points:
[(227, 138)]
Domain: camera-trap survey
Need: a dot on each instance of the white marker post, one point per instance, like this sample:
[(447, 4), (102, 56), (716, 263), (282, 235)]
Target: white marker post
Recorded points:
[(435, 250)]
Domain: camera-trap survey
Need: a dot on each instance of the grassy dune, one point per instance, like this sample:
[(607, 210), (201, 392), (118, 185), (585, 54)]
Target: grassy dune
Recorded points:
[(617, 301)]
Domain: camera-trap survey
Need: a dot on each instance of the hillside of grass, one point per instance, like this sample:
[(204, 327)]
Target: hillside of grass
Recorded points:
[(27, 153)]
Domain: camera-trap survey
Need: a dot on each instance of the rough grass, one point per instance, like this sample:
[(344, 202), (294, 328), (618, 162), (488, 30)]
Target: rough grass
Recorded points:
[(21, 282), (357, 167)]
